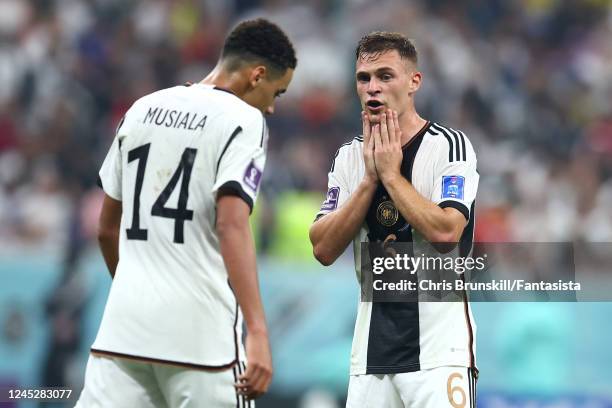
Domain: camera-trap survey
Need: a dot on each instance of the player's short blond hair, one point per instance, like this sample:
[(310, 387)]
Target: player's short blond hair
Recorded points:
[(378, 42)]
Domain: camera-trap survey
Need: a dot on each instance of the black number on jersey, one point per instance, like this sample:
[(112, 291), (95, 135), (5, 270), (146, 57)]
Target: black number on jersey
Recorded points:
[(179, 214), (141, 154)]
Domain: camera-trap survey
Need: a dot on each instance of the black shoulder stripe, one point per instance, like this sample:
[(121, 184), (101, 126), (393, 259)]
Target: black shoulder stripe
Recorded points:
[(459, 135), (451, 146), (234, 134), (333, 166), (463, 145), (457, 147)]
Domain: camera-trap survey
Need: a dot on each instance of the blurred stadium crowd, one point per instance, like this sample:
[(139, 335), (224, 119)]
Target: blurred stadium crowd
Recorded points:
[(529, 81)]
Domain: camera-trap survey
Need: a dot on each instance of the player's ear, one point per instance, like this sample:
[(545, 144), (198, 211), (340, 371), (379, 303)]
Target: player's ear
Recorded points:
[(415, 81), (258, 74)]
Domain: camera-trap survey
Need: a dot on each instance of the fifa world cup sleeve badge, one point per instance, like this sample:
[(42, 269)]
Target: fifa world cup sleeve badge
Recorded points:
[(252, 176), (452, 187), (331, 201)]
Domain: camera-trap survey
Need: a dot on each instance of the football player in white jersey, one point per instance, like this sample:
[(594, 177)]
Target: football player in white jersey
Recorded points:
[(407, 180), (180, 181)]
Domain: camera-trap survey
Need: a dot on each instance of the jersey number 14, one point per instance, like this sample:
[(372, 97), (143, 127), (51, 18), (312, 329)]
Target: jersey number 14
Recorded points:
[(179, 214)]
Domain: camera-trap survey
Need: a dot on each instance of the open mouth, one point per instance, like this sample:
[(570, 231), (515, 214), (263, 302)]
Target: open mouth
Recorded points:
[(375, 106)]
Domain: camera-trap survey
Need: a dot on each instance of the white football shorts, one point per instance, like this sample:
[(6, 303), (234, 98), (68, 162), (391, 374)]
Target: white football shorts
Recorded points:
[(112, 382), (441, 387)]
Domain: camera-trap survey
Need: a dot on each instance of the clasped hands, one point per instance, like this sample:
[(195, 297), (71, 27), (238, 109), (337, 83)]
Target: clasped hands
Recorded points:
[(382, 147)]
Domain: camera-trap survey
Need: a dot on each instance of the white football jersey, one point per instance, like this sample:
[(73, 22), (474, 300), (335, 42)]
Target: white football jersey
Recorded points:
[(170, 300), (398, 337)]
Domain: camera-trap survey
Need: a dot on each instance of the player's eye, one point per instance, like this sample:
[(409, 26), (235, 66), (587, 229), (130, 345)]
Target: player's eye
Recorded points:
[(386, 77), (363, 78)]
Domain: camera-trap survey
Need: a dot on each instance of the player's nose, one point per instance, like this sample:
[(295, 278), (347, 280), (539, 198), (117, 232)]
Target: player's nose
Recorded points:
[(270, 110), (373, 87)]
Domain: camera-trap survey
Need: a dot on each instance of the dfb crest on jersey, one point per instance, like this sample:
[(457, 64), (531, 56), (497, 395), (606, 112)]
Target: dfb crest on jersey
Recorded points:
[(252, 176), (387, 214), (452, 187), (331, 201)]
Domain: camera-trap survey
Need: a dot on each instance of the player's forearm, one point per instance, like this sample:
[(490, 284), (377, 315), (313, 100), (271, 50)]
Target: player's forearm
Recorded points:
[(332, 233), (422, 214), (238, 253), (109, 245)]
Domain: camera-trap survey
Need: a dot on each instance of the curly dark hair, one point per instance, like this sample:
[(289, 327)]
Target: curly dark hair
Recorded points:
[(378, 42), (259, 40)]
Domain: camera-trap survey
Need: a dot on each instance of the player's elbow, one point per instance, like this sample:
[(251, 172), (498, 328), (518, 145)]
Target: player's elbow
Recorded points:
[(444, 237), (325, 257), (320, 250), (443, 241)]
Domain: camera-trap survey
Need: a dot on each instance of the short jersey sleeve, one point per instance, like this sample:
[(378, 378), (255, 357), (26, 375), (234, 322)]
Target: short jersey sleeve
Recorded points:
[(337, 183), (109, 177), (241, 160), (455, 175)]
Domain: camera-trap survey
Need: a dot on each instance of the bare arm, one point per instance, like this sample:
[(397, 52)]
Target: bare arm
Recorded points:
[(331, 234), (438, 225), (108, 232), (238, 251)]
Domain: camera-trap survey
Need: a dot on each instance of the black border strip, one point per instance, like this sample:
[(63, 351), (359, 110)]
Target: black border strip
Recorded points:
[(469, 381), (474, 371), (248, 401), (118, 128), (466, 309), (229, 91), (240, 372), (457, 206), (236, 188), (417, 135), (264, 127), (160, 361), (231, 138), (236, 390)]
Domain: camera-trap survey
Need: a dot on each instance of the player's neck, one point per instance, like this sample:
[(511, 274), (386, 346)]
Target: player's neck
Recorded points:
[(225, 80), (410, 124)]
